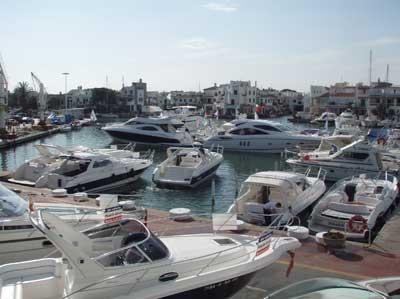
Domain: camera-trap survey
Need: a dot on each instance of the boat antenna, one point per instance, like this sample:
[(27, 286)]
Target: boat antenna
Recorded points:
[(387, 73)]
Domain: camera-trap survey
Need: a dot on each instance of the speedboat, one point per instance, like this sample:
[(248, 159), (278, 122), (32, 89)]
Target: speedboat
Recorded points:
[(187, 167), (356, 206), (296, 194), (78, 171), (17, 235), (325, 117), (125, 259), (164, 131), (191, 116), (261, 136), (353, 159)]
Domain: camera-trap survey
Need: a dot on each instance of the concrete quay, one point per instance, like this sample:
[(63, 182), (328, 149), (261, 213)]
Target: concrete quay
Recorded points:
[(26, 138), (354, 262)]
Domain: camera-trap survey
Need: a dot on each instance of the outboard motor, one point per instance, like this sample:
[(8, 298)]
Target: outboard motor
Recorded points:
[(350, 190)]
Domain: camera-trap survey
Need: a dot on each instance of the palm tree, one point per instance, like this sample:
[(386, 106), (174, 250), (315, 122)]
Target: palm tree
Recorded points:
[(22, 94)]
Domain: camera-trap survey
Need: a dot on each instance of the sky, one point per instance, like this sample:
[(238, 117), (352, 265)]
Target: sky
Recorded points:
[(192, 44)]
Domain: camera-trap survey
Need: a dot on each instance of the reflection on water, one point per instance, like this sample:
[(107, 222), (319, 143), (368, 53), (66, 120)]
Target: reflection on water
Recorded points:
[(235, 168)]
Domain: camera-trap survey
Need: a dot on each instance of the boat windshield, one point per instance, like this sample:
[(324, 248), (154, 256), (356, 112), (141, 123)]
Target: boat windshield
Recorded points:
[(284, 127), (11, 205), (136, 243)]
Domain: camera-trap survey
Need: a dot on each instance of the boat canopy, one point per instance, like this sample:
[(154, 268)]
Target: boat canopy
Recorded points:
[(339, 141), (11, 205)]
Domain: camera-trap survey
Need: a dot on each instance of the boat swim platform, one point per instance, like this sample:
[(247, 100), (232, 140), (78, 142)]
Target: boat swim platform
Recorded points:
[(357, 261)]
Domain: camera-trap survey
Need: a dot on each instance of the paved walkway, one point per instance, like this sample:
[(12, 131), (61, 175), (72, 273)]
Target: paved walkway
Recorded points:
[(388, 239)]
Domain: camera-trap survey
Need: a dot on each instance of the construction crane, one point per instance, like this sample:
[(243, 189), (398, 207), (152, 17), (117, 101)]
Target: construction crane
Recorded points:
[(42, 98), (3, 97)]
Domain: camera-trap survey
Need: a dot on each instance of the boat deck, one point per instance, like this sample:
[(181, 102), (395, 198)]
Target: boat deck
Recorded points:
[(355, 262)]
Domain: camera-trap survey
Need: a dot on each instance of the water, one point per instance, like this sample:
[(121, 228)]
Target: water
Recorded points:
[(235, 168)]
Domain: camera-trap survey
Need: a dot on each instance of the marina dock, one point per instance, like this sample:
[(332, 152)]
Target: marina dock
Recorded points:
[(4, 144), (355, 262)]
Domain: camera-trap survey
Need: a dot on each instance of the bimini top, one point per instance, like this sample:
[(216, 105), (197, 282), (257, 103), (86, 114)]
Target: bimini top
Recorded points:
[(154, 120), (276, 178)]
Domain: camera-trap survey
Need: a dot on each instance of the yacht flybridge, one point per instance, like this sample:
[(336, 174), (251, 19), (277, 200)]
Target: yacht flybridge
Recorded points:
[(353, 159), (261, 136), (125, 260), (356, 206), (164, 131), (187, 167), (81, 169), (295, 192)]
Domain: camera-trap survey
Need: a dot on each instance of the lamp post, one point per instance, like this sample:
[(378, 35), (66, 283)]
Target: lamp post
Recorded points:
[(66, 106)]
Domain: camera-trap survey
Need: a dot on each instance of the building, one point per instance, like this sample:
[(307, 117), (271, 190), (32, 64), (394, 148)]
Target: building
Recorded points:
[(293, 100), (135, 96), (211, 100), (182, 98), (79, 98), (239, 95), (383, 99)]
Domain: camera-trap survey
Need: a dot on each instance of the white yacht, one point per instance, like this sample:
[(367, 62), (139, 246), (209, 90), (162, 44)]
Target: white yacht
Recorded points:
[(17, 235), (353, 159), (124, 260), (187, 167), (164, 131), (261, 136), (191, 116), (356, 206), (295, 192), (78, 171)]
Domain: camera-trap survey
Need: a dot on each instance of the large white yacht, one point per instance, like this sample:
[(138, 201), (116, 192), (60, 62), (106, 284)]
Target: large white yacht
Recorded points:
[(85, 170), (187, 167), (164, 131), (125, 260), (261, 136), (356, 206), (325, 117), (295, 192), (353, 159)]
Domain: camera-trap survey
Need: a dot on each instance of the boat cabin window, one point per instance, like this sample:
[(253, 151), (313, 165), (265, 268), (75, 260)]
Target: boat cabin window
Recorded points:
[(148, 128), (98, 164), (267, 128), (73, 166), (248, 131), (354, 155), (11, 205)]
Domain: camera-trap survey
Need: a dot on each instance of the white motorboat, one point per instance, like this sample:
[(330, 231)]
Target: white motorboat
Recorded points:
[(164, 131), (353, 159), (125, 260), (187, 167), (356, 206), (325, 117), (191, 116), (66, 128), (347, 124), (85, 170), (296, 194), (17, 235), (261, 136)]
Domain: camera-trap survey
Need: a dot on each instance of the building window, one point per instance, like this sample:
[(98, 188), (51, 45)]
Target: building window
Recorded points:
[(235, 92)]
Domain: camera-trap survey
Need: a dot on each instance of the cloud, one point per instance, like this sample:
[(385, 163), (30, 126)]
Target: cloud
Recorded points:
[(196, 43), (226, 6)]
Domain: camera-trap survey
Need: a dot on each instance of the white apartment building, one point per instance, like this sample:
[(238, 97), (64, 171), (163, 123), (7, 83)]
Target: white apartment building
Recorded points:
[(191, 98), (238, 95), (211, 100), (383, 98)]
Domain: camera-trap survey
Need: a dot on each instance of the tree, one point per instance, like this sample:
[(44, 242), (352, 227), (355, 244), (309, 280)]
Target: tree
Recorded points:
[(22, 94), (104, 100)]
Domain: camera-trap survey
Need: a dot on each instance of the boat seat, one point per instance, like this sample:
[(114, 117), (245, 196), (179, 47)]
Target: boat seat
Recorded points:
[(353, 208), (254, 212)]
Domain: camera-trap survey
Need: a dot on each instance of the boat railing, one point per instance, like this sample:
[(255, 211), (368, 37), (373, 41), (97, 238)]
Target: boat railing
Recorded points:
[(195, 269)]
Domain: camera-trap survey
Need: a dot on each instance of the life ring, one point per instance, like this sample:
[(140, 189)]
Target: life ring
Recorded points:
[(306, 157), (358, 224), (381, 141)]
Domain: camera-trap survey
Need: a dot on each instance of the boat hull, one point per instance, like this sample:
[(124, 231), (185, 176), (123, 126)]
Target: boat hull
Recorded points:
[(220, 289)]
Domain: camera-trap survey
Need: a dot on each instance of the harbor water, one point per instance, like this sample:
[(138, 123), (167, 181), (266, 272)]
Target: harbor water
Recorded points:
[(235, 168)]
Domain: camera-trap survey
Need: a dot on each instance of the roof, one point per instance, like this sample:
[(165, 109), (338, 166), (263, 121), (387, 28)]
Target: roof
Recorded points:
[(275, 178)]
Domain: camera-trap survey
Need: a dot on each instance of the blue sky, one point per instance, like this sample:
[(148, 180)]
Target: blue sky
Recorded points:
[(181, 44)]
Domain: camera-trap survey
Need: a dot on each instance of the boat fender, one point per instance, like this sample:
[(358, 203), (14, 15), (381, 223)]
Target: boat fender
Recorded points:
[(358, 224), (291, 263)]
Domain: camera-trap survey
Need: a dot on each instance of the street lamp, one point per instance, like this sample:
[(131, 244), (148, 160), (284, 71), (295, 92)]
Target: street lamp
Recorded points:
[(65, 76)]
